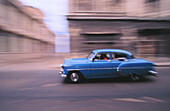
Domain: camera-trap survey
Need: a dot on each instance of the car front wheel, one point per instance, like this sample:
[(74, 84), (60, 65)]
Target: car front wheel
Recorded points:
[(74, 77)]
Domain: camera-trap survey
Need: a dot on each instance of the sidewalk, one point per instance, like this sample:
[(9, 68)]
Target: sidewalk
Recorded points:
[(45, 63)]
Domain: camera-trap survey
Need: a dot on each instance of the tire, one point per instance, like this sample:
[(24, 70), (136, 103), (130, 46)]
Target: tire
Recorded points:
[(74, 77), (134, 77)]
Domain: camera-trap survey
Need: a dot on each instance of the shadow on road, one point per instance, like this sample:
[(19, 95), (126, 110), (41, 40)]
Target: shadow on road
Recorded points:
[(113, 80)]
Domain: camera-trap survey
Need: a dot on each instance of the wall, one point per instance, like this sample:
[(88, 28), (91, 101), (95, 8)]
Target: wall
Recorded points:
[(23, 33)]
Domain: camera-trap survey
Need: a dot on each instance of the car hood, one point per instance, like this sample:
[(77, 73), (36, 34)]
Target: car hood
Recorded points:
[(76, 61)]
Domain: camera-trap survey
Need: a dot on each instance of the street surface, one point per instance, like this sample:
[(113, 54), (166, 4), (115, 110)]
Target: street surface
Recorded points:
[(34, 86)]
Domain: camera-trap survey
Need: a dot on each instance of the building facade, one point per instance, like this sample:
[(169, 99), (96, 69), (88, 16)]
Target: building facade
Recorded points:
[(139, 26), (23, 33)]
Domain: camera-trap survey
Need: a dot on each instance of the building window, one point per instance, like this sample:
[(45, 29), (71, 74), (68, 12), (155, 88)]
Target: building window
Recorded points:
[(115, 2), (150, 1), (152, 6), (115, 5), (85, 5)]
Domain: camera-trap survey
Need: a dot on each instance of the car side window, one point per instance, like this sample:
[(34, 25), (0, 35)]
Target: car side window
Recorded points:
[(118, 55), (113, 56), (102, 56)]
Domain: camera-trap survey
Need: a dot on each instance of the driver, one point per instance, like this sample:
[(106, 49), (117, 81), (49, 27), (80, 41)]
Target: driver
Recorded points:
[(103, 57)]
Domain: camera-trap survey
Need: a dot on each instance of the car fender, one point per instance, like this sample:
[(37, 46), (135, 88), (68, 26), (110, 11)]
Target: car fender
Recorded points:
[(125, 68)]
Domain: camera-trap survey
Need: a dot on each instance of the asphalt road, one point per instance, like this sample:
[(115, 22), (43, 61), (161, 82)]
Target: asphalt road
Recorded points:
[(41, 89)]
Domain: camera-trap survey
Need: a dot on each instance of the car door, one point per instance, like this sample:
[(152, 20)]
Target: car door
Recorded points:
[(115, 64), (117, 59), (101, 67)]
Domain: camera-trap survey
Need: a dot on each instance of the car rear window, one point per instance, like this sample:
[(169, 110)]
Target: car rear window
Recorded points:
[(118, 55)]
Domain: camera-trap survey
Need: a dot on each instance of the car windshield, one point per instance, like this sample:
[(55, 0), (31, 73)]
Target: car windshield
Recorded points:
[(91, 55)]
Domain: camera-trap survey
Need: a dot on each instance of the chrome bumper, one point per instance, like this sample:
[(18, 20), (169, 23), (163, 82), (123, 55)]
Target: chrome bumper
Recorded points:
[(154, 73), (61, 73)]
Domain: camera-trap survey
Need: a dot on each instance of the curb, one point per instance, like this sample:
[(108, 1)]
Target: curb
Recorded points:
[(162, 65), (166, 64)]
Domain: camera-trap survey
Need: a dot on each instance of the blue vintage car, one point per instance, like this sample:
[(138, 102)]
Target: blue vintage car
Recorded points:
[(106, 63)]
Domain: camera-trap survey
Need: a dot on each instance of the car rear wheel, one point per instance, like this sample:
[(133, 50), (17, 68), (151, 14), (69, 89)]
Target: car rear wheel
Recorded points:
[(74, 77), (134, 77)]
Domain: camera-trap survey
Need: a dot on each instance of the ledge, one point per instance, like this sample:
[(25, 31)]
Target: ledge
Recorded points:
[(115, 18)]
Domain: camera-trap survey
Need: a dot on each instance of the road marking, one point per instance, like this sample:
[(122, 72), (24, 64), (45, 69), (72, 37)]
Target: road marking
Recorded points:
[(50, 85), (153, 99), (29, 88), (130, 100), (15, 101), (45, 85)]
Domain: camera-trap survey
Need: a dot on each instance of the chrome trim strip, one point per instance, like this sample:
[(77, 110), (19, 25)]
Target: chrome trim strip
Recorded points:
[(118, 69), (90, 69), (134, 68), (74, 69)]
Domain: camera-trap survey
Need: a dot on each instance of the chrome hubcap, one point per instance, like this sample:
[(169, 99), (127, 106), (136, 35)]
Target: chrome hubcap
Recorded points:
[(74, 77)]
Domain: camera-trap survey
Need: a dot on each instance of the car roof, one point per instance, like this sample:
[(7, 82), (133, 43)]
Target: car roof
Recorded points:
[(112, 50)]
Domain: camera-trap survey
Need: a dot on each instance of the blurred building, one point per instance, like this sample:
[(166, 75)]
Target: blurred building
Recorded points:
[(23, 33), (62, 43), (139, 26)]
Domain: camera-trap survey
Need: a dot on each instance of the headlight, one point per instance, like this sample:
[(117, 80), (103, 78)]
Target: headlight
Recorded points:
[(61, 66), (61, 69)]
